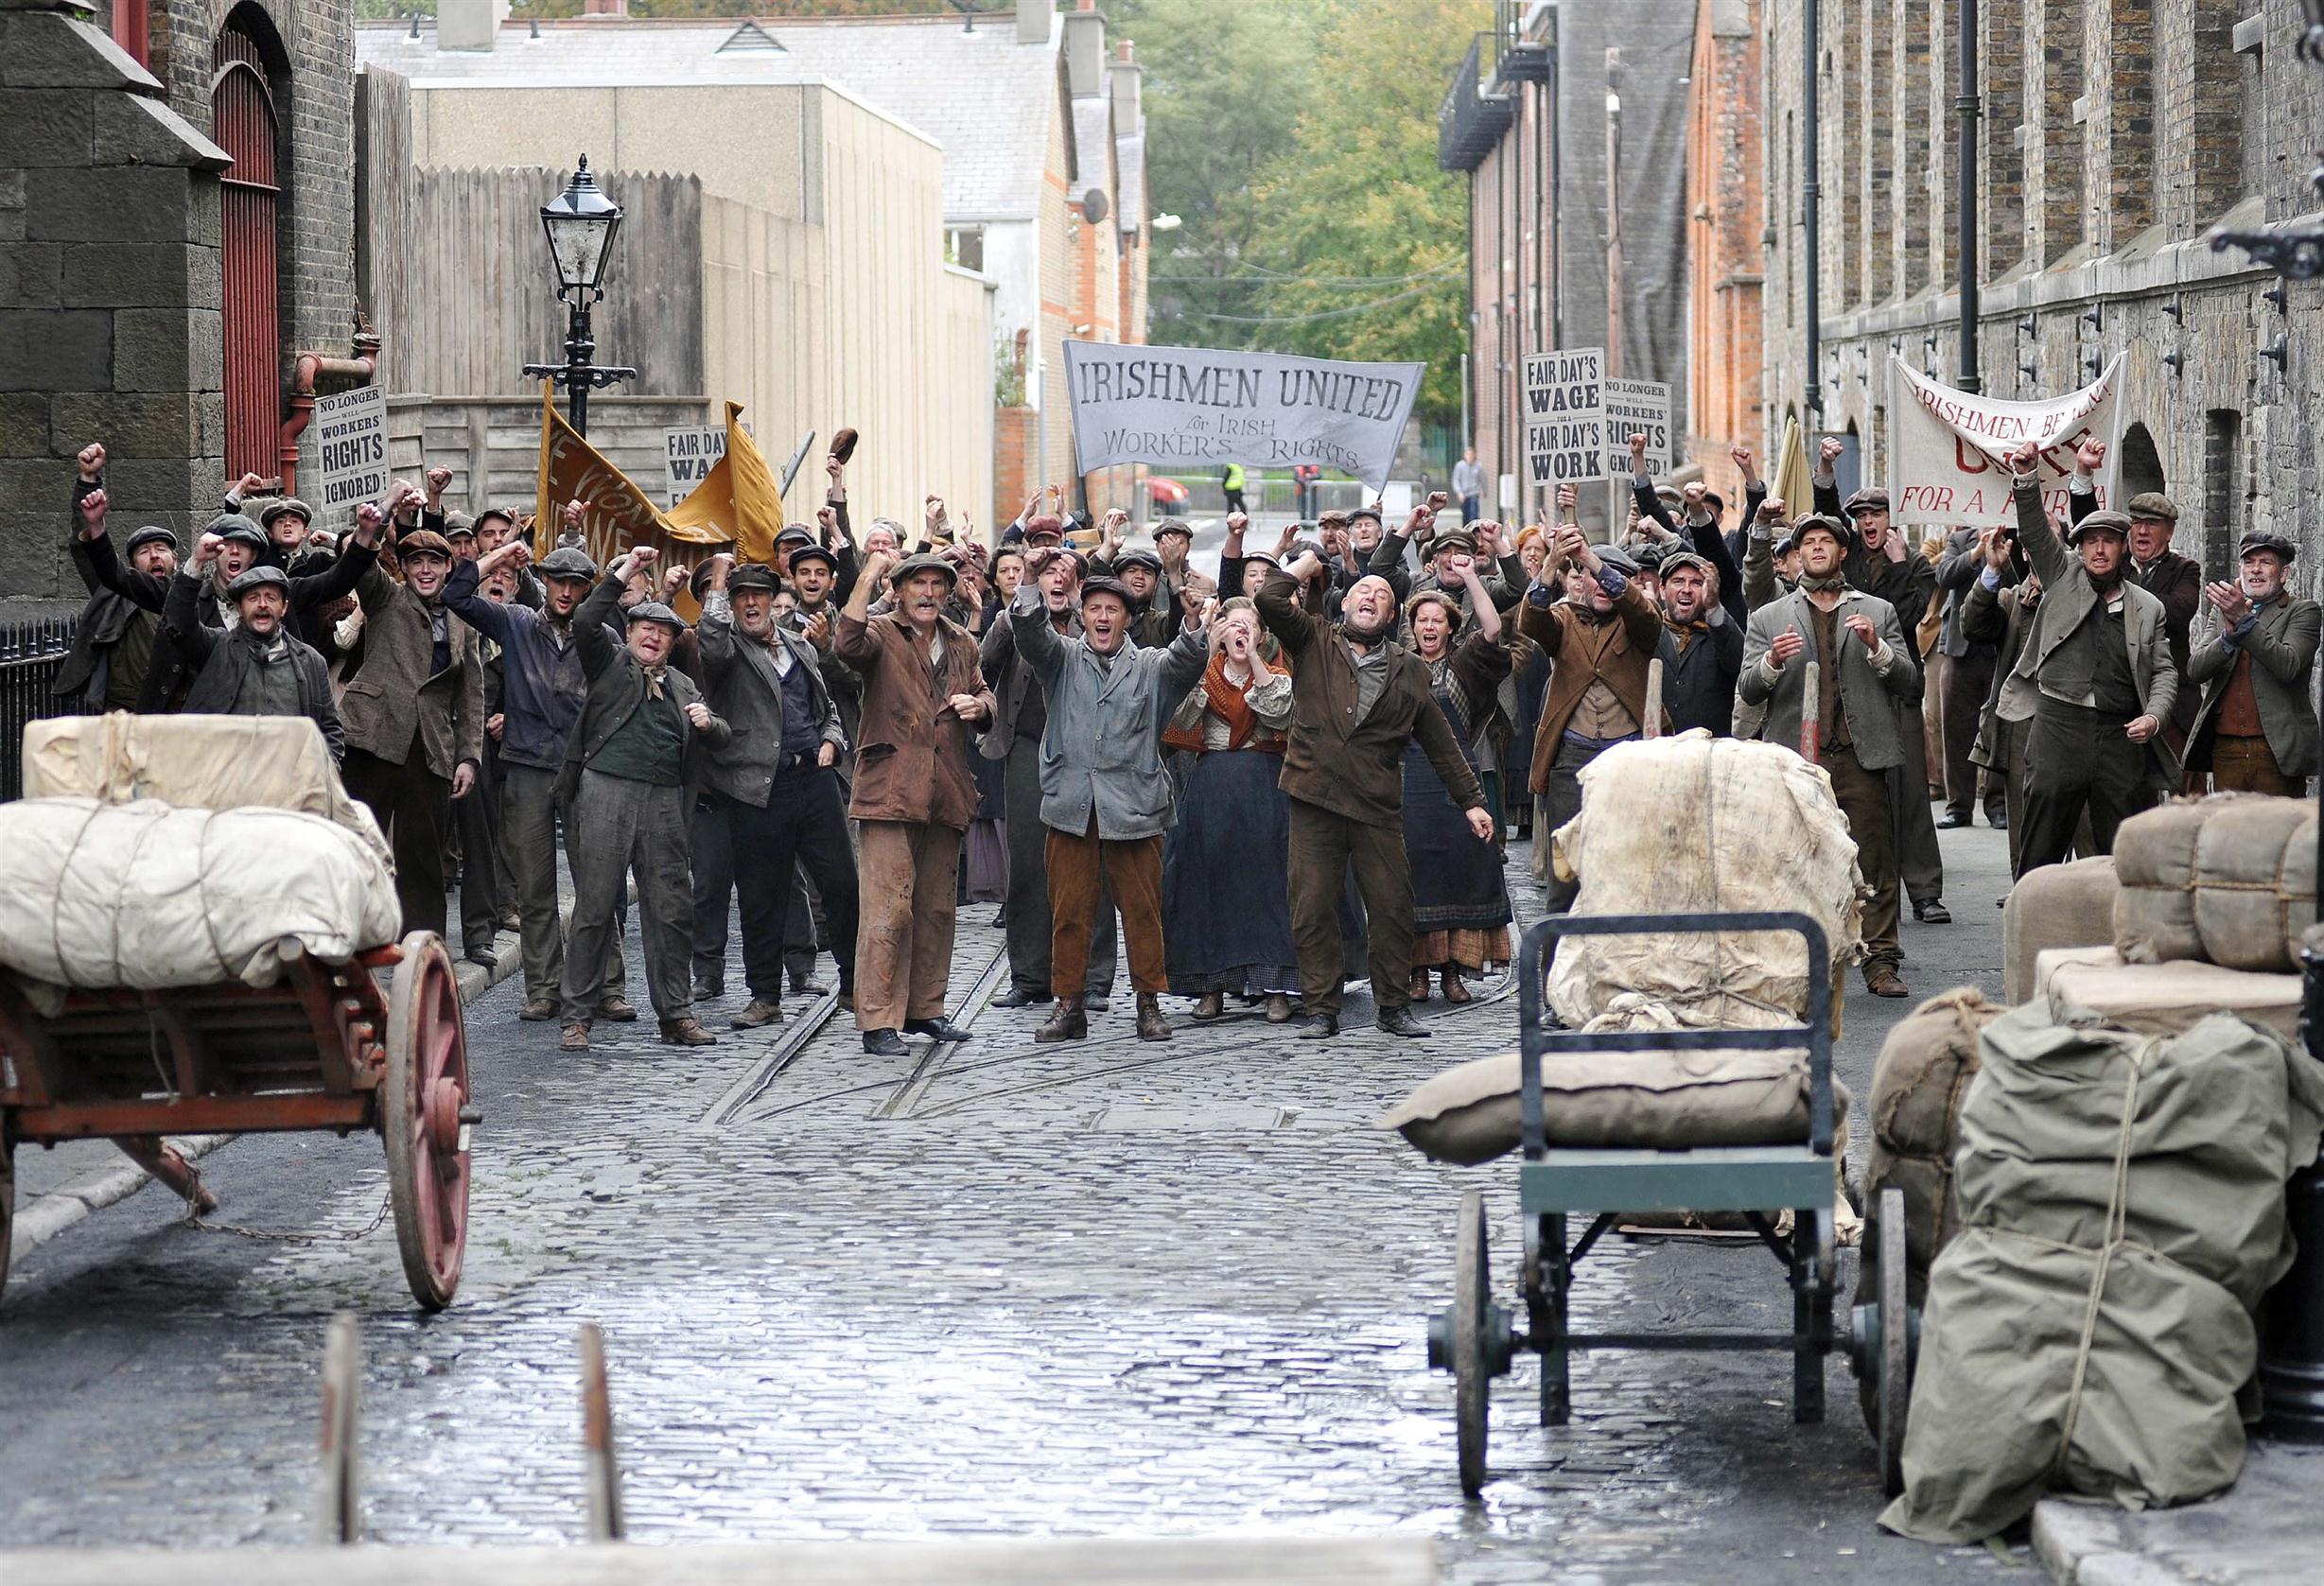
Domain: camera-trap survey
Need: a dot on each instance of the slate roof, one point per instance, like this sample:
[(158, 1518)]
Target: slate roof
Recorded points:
[(982, 95)]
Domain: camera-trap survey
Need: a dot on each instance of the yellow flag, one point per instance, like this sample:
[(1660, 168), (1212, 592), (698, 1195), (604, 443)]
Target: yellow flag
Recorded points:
[(616, 514), (737, 499), (1791, 481)]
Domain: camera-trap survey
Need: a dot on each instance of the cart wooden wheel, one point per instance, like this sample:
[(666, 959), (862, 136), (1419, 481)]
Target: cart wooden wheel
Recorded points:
[(421, 1101), (1894, 1386), (1472, 1365)]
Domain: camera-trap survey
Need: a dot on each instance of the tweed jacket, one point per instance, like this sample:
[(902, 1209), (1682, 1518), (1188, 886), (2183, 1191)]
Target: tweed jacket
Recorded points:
[(1869, 692), (2069, 596), (618, 688), (2282, 647), (1102, 749), (1335, 761), (738, 675), (396, 695), (911, 752), (1580, 653)]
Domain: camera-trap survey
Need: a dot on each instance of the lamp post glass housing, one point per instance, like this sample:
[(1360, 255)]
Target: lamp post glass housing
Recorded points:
[(580, 224)]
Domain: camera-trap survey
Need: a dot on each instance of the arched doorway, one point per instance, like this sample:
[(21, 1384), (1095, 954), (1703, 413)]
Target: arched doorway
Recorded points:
[(246, 123), (2141, 464)]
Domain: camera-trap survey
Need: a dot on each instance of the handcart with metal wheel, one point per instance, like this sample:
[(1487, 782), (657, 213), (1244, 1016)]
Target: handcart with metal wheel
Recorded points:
[(325, 1047), (1476, 1339)]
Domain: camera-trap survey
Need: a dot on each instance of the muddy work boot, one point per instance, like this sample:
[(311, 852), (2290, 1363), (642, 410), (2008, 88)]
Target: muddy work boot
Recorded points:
[(760, 1012), (1067, 1021), (1152, 1026), (685, 1031), (576, 1038)]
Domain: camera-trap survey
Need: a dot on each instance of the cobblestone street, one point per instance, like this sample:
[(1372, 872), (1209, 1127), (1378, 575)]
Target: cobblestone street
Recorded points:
[(1103, 1288)]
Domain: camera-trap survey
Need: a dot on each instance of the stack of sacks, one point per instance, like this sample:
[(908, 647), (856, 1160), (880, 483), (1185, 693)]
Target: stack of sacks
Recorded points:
[(2054, 906), (2228, 880)]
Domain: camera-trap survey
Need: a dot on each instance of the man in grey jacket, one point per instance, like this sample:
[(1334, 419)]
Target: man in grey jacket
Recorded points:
[(2253, 655), (1863, 667), (1106, 794), (773, 785)]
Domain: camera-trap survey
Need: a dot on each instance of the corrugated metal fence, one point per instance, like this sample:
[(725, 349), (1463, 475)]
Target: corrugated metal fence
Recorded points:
[(30, 652)]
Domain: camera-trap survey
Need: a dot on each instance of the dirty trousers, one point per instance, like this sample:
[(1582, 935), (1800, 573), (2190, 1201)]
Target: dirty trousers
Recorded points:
[(2248, 765), (629, 828), (1029, 929), (907, 871), (529, 811), (1863, 799), (1080, 870), (1324, 846)]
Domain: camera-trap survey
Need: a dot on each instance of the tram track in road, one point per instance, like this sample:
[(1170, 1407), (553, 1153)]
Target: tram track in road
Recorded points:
[(755, 1082)]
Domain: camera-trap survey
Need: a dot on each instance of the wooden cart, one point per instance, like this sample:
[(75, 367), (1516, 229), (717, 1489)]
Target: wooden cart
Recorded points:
[(325, 1047)]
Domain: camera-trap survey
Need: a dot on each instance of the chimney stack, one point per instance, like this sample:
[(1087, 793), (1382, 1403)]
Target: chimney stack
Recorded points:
[(469, 24), (1085, 50), (1035, 20), (1125, 77)]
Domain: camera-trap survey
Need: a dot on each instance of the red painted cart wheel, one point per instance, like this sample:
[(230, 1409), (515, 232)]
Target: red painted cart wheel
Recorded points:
[(420, 1102)]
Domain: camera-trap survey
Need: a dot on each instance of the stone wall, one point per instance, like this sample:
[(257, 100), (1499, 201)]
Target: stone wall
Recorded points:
[(2118, 136), (108, 282)]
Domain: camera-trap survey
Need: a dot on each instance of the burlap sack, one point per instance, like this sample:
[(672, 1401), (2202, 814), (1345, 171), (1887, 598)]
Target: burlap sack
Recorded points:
[(2229, 879), (1648, 1101), (1697, 823), (2122, 1211), (2094, 984), (2054, 906), (1917, 1088)]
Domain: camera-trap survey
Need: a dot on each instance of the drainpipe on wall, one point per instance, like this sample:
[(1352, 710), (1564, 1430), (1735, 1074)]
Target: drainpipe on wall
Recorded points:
[(362, 368)]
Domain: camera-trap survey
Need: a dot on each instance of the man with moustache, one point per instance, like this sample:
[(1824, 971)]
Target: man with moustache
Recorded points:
[(1706, 654), (2253, 655), (1359, 698), (258, 667)]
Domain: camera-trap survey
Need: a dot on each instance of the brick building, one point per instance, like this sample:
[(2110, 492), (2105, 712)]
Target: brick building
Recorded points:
[(2114, 135), (1727, 216), (175, 179)]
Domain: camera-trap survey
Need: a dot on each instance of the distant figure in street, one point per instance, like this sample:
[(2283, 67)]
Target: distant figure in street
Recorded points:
[(1469, 485), (1231, 478)]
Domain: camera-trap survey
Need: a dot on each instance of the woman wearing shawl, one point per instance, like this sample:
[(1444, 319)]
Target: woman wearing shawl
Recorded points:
[(1225, 865), (1460, 899)]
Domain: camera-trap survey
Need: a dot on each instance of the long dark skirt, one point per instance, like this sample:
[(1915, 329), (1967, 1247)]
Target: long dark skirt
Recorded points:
[(1457, 883), (1226, 889)]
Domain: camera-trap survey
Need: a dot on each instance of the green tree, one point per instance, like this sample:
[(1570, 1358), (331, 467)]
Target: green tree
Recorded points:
[(1223, 90), (1376, 234)]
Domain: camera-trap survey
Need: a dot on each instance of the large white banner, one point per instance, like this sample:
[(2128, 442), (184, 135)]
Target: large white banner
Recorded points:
[(1195, 409), (1950, 446)]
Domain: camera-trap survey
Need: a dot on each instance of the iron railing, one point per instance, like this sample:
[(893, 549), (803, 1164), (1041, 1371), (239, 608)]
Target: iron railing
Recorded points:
[(1472, 119), (30, 654)]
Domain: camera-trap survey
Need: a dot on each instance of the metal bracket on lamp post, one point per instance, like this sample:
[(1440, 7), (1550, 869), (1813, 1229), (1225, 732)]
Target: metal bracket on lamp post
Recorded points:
[(577, 374)]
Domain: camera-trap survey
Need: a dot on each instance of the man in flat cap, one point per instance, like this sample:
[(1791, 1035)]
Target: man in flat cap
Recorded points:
[(414, 710), (543, 688), (1599, 639), (1863, 667), (2174, 580), (2095, 677), (774, 784), (634, 765), (914, 797), (1106, 793), (112, 642), (2252, 654)]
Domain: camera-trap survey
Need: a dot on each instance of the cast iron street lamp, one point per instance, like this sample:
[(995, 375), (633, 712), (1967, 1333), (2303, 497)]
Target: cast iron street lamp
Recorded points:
[(2292, 1316), (581, 222)]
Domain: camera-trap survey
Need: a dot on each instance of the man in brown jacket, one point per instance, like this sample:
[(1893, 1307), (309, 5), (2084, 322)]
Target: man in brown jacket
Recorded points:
[(1599, 639), (914, 795), (1357, 698), (413, 709)]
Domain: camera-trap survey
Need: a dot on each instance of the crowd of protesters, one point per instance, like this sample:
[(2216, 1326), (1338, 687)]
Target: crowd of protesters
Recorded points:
[(1300, 772)]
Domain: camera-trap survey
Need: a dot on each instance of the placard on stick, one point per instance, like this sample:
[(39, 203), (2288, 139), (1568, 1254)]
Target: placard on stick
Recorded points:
[(351, 449), (1565, 416), (1637, 407)]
